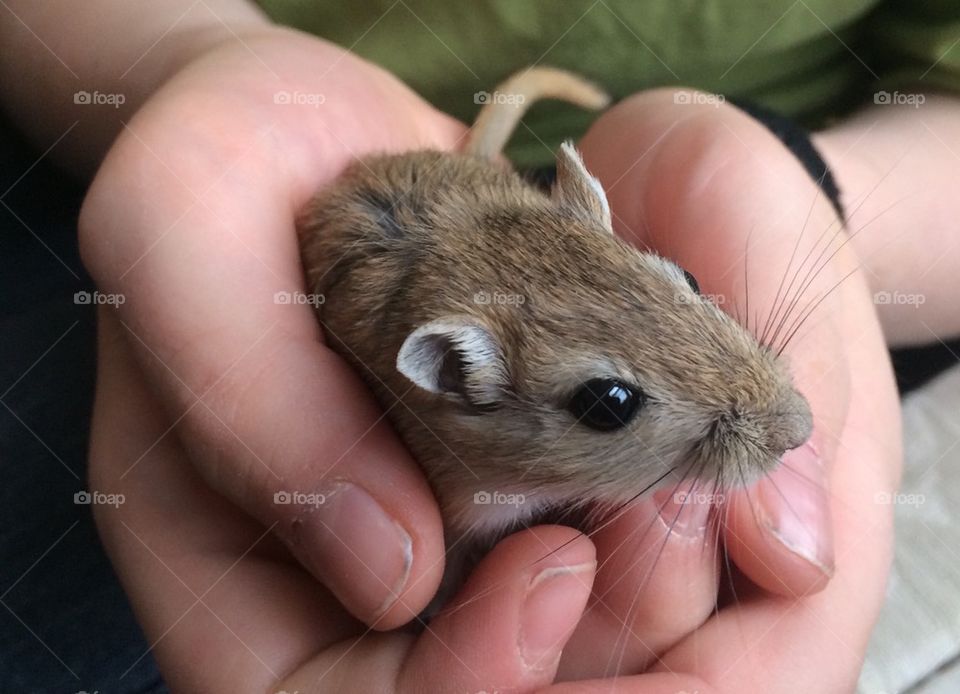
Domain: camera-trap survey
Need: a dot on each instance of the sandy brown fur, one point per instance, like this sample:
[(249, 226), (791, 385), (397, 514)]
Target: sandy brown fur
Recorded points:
[(400, 241)]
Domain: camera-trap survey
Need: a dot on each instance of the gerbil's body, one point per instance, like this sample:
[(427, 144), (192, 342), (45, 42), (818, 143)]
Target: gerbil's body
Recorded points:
[(493, 320)]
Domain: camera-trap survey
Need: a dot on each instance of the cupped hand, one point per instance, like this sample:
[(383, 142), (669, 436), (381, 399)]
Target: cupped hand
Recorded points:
[(191, 219), (810, 544)]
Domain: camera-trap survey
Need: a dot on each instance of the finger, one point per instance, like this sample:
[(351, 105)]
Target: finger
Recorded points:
[(504, 631), (787, 510), (816, 643), (202, 576), (658, 683), (713, 189), (779, 531), (184, 224), (810, 644), (657, 581)]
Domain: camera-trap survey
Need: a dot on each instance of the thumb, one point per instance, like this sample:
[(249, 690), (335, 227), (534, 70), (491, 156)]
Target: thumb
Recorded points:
[(288, 433), (504, 631), (780, 532)]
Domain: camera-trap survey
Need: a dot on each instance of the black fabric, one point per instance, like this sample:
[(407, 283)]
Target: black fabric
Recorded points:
[(65, 625)]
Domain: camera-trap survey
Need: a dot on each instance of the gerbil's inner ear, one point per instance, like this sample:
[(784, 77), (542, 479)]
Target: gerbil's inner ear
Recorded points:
[(455, 355), (577, 191)]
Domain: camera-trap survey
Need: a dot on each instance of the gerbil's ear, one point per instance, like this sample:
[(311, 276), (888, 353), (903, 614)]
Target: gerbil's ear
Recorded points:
[(579, 192), (455, 355)]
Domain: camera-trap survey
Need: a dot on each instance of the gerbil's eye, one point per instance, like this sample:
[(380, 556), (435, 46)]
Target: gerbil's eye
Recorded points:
[(692, 281), (605, 404)]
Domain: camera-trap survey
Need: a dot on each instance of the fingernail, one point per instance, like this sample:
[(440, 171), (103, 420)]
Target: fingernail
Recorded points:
[(360, 552), (684, 511), (551, 610), (794, 507)]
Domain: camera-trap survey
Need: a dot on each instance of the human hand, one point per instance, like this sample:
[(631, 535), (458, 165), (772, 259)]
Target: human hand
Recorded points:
[(191, 219), (716, 191)]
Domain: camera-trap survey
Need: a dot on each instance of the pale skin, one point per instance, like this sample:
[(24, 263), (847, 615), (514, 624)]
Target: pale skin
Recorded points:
[(199, 277)]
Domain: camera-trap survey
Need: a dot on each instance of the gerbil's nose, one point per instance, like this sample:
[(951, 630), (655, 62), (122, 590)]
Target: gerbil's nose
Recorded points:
[(793, 423)]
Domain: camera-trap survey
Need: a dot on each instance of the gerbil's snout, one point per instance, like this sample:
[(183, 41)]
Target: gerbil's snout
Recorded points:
[(751, 438), (795, 423)]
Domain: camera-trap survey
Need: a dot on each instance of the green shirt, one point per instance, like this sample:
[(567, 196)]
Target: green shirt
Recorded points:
[(809, 59)]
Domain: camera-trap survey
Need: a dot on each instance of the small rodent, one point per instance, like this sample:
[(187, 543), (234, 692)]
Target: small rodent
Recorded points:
[(520, 348)]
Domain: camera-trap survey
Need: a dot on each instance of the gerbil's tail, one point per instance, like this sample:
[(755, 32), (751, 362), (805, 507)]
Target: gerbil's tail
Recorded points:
[(505, 107)]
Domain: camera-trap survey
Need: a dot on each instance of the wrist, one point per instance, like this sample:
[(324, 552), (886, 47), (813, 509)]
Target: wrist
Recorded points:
[(893, 169)]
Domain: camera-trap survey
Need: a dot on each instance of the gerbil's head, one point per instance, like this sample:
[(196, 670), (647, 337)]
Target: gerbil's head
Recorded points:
[(565, 361)]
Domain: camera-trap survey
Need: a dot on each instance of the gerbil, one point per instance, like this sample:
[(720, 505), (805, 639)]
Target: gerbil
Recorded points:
[(520, 348)]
